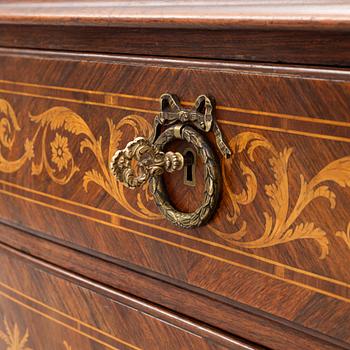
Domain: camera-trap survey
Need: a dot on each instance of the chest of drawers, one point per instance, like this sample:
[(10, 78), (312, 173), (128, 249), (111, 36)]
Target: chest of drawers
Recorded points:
[(88, 263)]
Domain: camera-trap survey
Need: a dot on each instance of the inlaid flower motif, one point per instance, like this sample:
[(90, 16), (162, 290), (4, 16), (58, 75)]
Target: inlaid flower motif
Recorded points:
[(13, 339), (60, 151)]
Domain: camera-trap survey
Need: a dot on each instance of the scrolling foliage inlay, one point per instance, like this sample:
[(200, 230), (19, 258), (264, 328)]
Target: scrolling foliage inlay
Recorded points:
[(12, 337), (55, 157), (281, 227)]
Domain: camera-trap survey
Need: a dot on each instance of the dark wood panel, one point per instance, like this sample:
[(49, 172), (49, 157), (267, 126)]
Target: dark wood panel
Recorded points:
[(312, 32), (50, 307), (224, 314), (279, 240), (281, 46)]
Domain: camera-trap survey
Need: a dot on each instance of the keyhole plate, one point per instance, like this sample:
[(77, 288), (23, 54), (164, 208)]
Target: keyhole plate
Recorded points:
[(190, 160)]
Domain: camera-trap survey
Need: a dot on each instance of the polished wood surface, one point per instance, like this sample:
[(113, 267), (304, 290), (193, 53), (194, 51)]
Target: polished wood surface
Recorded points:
[(280, 238), (311, 32), (284, 46), (291, 14), (229, 316), (51, 308)]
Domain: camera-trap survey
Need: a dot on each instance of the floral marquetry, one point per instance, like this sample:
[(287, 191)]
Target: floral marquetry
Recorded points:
[(60, 152), (281, 228)]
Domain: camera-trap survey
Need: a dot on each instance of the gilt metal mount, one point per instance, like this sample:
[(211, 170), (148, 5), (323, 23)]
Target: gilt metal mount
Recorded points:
[(150, 162), (200, 116), (144, 160)]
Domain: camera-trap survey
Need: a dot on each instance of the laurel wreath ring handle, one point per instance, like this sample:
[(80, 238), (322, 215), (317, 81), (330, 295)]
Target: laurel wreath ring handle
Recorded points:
[(212, 180)]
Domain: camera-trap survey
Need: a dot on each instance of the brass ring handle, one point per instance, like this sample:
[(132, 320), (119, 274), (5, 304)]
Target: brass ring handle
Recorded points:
[(212, 180), (151, 162)]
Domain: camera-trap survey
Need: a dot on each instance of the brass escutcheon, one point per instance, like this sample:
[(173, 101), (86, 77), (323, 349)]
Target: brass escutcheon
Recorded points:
[(151, 161)]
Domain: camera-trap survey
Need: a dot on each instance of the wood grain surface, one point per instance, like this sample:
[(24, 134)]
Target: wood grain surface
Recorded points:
[(229, 316), (311, 32), (281, 235), (281, 46), (44, 306)]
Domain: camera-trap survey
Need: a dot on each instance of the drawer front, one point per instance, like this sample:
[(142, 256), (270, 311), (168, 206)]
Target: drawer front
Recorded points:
[(280, 239), (45, 307)]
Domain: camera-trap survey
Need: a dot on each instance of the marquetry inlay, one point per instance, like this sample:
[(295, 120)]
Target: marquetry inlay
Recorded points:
[(49, 151), (13, 338)]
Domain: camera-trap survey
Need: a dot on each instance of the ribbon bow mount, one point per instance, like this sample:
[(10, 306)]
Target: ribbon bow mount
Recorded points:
[(201, 116)]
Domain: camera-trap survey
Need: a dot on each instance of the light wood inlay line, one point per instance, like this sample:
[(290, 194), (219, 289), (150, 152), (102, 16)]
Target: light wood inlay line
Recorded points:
[(70, 89), (16, 291), (127, 218), (192, 250), (287, 131), (5, 295), (254, 126), (317, 120), (63, 99)]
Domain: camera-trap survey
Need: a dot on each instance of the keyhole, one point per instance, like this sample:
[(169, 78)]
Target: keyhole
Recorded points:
[(189, 168)]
